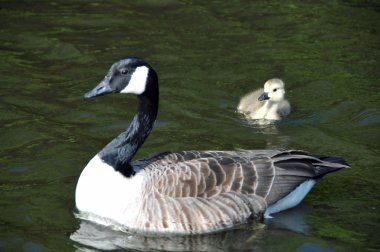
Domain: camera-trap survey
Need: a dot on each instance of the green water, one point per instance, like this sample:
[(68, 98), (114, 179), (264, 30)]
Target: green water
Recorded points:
[(207, 55)]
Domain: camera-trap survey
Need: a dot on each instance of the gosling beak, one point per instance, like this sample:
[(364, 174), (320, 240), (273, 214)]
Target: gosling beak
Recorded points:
[(102, 88), (263, 96)]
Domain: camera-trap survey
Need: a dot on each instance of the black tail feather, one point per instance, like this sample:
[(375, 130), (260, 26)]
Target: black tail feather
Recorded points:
[(337, 160)]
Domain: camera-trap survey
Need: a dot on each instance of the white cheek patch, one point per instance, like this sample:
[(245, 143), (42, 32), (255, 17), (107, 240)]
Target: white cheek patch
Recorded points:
[(138, 81)]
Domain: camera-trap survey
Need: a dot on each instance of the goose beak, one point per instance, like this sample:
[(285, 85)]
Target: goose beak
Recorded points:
[(102, 88), (263, 96)]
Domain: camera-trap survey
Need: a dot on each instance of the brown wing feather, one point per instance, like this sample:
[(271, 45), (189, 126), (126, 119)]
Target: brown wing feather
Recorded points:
[(209, 173), (197, 192)]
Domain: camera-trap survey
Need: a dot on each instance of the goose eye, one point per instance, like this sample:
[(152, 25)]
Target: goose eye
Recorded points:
[(274, 90), (124, 71)]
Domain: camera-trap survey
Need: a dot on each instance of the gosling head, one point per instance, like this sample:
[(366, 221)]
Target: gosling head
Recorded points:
[(128, 75), (274, 91)]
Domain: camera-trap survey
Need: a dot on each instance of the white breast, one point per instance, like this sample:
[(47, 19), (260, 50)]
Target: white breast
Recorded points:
[(268, 111), (102, 191)]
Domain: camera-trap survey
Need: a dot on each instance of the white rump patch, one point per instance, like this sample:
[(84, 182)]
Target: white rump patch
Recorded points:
[(138, 81), (292, 199)]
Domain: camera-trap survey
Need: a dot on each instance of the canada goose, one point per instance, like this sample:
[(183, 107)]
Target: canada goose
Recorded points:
[(185, 192), (268, 103)]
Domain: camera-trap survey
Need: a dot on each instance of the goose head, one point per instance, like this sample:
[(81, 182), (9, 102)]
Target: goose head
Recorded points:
[(135, 76), (128, 75), (274, 91)]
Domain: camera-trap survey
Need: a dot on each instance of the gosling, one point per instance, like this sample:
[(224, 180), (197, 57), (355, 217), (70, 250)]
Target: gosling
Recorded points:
[(268, 103)]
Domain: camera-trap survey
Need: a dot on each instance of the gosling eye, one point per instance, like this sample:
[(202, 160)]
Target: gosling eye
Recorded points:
[(124, 71), (274, 90)]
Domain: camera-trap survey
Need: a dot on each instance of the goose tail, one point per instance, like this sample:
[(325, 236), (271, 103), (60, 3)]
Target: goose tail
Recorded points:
[(301, 166), (334, 159), (330, 164)]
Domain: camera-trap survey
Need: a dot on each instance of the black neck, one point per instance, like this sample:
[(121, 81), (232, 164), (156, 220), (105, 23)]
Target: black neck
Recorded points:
[(120, 151)]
